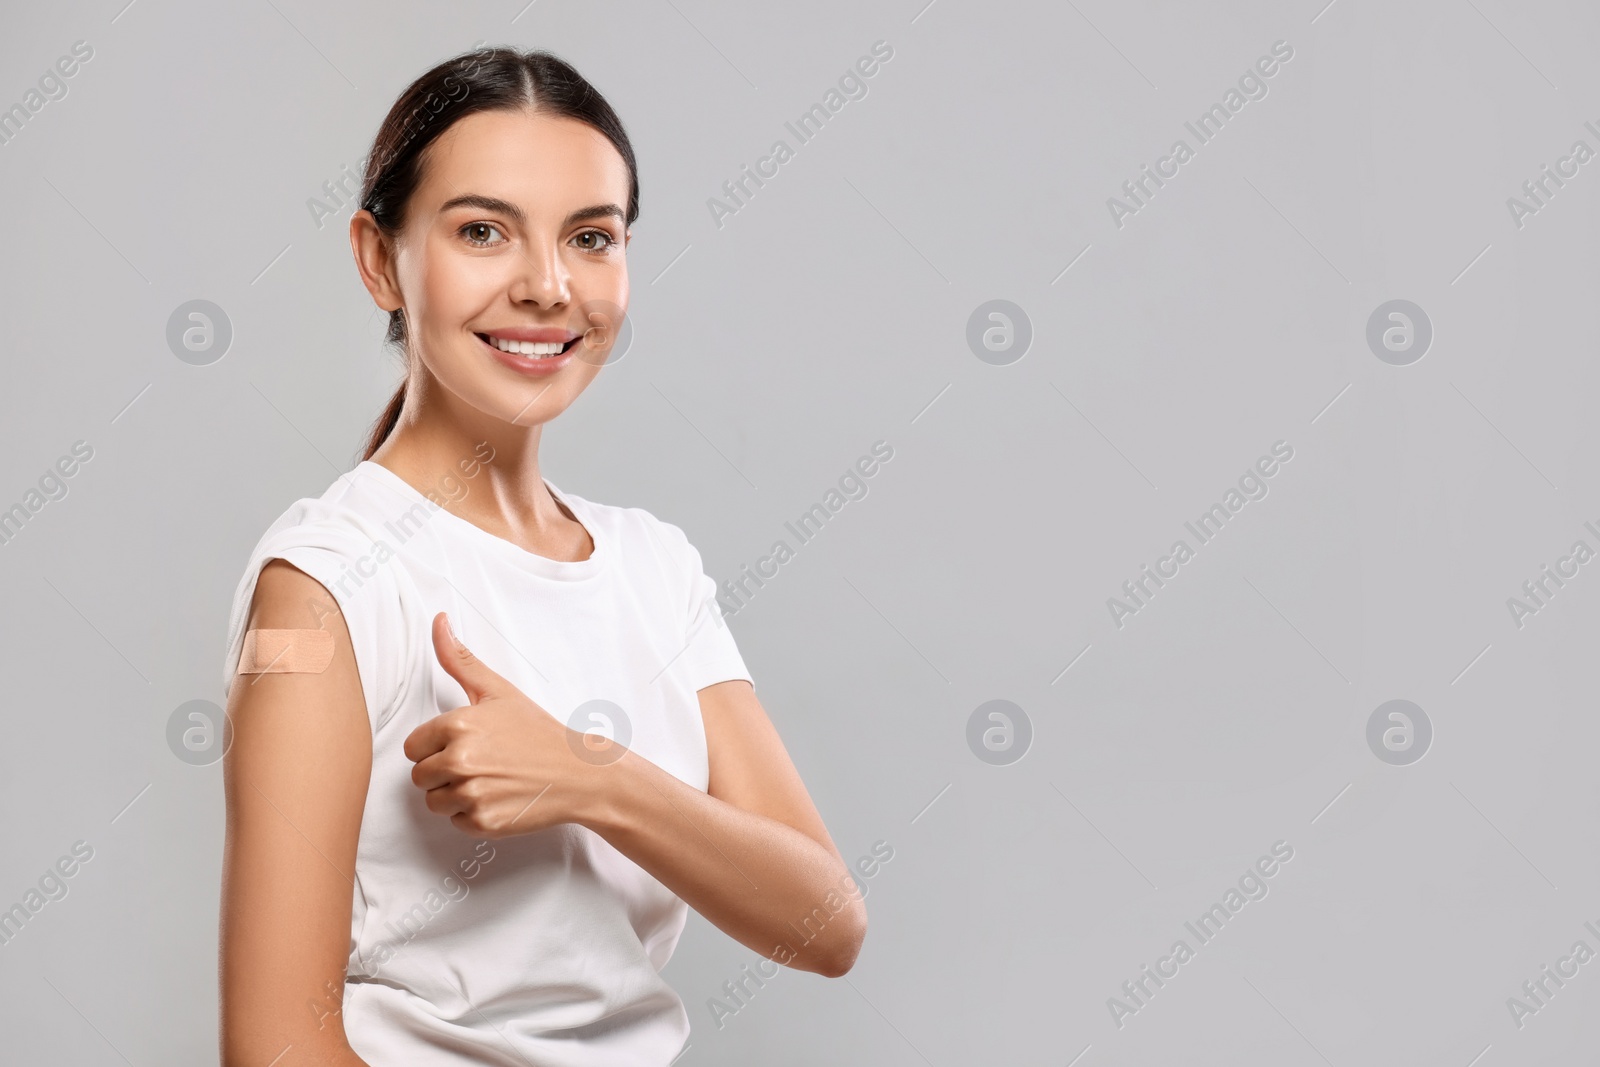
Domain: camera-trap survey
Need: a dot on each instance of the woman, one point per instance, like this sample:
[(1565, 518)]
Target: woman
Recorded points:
[(491, 739)]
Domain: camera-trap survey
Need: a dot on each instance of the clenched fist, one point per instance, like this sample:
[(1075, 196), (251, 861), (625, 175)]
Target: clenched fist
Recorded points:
[(501, 765)]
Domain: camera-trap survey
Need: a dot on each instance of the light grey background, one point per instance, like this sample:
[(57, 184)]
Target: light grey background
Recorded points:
[(770, 353)]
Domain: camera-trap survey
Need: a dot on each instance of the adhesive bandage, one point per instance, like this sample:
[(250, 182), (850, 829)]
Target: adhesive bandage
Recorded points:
[(286, 652)]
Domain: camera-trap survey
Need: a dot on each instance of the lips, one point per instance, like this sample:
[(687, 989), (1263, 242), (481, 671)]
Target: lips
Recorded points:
[(545, 358), (531, 341)]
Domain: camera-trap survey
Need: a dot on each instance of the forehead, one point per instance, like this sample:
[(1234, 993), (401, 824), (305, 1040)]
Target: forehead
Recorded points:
[(534, 160)]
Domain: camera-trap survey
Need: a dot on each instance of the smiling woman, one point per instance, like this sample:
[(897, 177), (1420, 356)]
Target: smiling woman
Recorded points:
[(495, 235)]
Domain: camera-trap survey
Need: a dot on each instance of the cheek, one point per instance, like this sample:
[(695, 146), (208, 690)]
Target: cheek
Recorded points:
[(605, 281), (609, 272), (454, 288), (443, 292)]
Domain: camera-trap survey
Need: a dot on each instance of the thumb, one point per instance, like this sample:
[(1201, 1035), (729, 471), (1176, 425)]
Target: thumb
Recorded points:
[(459, 663)]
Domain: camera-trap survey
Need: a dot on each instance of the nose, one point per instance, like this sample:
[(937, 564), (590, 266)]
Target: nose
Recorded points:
[(541, 276)]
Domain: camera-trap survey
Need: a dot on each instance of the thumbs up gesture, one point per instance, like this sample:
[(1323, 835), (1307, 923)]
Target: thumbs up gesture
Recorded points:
[(501, 765)]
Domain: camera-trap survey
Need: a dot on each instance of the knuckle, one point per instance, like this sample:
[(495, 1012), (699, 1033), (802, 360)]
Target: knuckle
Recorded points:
[(465, 722)]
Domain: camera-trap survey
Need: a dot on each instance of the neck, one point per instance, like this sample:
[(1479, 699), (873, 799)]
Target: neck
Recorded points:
[(486, 470)]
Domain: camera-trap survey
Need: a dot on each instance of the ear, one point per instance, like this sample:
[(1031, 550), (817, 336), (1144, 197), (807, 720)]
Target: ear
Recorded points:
[(375, 260)]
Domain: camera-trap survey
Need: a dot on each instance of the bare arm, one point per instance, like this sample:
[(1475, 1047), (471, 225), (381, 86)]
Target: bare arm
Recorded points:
[(751, 854), (295, 781)]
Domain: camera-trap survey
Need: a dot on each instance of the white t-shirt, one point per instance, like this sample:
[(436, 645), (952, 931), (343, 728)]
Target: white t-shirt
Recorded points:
[(543, 948)]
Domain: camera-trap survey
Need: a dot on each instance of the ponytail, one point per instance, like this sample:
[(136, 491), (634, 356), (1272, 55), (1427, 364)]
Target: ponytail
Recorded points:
[(386, 422)]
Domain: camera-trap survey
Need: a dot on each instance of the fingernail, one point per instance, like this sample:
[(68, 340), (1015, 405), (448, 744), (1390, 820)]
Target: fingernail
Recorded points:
[(451, 630)]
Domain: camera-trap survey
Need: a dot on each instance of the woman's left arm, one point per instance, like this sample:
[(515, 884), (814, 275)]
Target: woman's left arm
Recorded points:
[(751, 853)]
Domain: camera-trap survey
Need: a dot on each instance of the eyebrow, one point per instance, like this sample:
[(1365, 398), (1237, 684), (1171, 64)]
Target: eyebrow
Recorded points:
[(512, 211)]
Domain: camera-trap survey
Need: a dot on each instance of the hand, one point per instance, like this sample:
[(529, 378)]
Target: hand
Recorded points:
[(501, 765)]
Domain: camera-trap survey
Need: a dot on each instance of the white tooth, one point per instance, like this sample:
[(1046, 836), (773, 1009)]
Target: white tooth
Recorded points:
[(528, 348)]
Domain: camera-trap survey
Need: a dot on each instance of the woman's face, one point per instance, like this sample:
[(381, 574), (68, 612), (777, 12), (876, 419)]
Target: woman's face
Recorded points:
[(511, 266)]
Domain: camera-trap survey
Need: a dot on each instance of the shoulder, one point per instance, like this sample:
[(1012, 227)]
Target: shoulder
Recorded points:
[(637, 531), (343, 529), (336, 542)]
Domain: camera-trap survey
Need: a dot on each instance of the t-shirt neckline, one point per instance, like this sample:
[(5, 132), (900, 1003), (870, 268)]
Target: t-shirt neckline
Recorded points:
[(560, 569)]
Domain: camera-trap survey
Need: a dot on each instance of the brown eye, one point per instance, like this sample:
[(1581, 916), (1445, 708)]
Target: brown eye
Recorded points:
[(594, 240), (479, 233)]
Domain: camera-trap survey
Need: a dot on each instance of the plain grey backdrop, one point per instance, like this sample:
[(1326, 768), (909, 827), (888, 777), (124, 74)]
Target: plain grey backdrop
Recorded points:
[(1045, 850)]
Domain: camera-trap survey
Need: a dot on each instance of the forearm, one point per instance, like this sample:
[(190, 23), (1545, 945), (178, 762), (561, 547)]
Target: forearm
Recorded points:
[(762, 882)]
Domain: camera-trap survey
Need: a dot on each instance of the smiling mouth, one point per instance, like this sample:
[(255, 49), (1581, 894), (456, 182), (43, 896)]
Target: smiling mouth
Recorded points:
[(533, 349)]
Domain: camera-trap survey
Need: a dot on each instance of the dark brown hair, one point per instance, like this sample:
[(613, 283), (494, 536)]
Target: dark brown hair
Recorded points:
[(489, 79)]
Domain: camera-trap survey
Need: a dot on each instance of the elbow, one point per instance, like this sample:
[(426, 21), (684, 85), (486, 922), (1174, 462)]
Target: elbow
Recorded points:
[(847, 946), (837, 966)]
